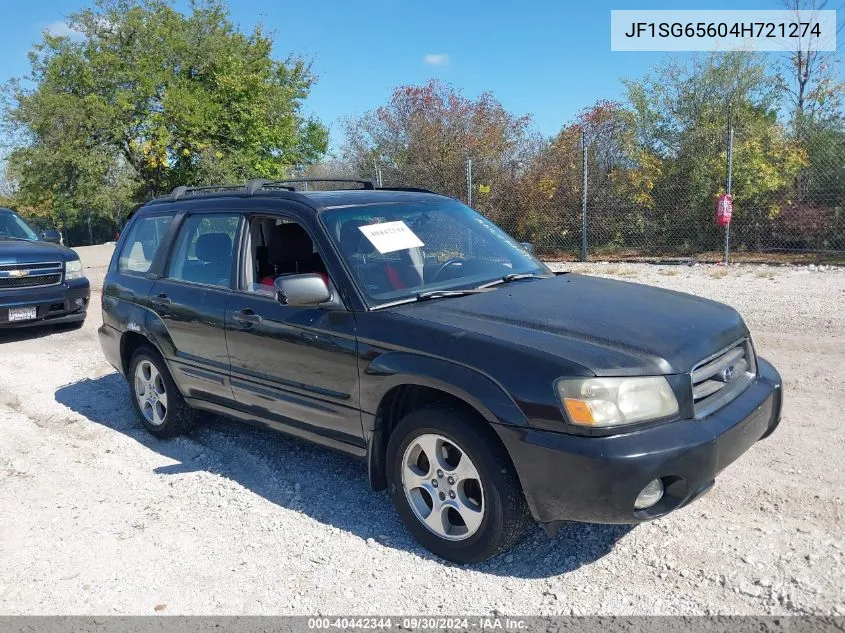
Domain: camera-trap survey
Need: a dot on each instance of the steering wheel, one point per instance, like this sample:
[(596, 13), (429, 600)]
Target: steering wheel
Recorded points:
[(452, 261)]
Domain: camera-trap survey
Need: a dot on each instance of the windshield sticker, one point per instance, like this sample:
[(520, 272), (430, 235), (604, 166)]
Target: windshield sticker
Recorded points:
[(391, 236)]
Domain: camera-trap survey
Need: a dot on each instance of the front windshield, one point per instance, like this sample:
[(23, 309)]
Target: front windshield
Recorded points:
[(12, 226), (399, 250)]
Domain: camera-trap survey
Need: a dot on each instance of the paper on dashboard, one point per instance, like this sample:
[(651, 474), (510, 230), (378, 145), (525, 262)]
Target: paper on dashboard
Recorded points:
[(391, 236)]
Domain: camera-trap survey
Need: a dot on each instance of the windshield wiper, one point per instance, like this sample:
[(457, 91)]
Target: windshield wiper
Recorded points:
[(511, 277), (437, 294), (12, 237)]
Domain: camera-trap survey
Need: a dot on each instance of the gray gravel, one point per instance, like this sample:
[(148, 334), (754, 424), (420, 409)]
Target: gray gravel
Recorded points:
[(98, 517)]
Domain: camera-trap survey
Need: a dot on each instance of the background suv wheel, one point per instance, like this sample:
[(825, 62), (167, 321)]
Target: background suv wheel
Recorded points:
[(454, 486), (155, 397)]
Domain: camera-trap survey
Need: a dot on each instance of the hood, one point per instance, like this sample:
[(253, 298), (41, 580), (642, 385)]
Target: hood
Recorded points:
[(610, 327), (26, 252)]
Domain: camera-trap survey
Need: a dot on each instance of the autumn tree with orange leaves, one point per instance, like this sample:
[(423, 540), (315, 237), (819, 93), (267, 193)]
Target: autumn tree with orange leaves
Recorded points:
[(425, 135)]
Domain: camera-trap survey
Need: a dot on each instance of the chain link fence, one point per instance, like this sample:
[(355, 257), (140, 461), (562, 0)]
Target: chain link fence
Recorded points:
[(587, 196), (90, 229), (788, 206)]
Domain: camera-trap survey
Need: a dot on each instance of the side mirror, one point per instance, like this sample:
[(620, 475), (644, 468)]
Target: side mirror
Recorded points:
[(51, 235), (528, 246), (306, 290)]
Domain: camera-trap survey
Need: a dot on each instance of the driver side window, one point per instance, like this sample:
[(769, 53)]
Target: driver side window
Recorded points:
[(279, 246)]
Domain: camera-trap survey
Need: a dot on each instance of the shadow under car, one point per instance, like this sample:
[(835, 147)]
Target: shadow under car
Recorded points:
[(295, 474)]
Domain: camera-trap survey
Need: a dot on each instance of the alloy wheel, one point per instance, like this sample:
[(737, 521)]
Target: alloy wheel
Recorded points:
[(150, 393), (443, 487)]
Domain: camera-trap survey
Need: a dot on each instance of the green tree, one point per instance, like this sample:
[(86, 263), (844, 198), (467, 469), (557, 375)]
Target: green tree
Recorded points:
[(682, 117), (148, 98)]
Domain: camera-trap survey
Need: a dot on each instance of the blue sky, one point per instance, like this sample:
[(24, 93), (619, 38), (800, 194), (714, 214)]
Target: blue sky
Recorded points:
[(548, 59)]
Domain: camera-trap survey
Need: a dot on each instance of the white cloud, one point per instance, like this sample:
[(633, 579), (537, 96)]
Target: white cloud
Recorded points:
[(60, 28), (436, 59)]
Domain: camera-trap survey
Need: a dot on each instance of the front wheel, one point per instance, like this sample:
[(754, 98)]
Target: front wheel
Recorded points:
[(453, 485)]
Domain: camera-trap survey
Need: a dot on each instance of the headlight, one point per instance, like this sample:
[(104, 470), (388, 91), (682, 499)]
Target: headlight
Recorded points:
[(73, 270), (602, 402)]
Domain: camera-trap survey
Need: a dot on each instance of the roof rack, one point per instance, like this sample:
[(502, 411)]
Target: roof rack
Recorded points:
[(365, 184), (290, 184), (182, 190), (257, 184), (408, 189)]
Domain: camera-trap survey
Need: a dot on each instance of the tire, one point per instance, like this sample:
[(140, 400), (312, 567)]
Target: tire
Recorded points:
[(164, 412), (491, 513)]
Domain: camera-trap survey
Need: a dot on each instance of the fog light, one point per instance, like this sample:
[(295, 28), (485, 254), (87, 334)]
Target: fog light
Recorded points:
[(651, 494), (79, 301)]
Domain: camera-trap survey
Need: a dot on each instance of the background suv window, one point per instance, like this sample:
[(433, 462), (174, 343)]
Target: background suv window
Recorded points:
[(142, 243), (204, 249)]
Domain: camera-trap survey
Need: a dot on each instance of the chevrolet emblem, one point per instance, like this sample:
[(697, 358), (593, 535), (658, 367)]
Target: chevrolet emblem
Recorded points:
[(18, 273)]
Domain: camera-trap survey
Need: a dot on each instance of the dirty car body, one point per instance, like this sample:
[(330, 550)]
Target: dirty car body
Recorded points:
[(614, 402)]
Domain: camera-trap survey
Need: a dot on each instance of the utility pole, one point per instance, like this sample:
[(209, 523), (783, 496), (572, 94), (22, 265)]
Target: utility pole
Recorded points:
[(729, 169), (469, 182), (584, 200)]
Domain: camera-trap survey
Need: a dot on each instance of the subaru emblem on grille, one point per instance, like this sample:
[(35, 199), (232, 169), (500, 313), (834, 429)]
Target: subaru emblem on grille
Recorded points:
[(727, 374)]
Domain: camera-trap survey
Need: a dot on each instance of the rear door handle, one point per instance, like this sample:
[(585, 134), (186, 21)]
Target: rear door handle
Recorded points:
[(161, 300), (247, 316)]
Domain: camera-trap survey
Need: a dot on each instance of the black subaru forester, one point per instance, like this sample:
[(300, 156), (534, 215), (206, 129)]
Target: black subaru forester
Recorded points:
[(402, 327)]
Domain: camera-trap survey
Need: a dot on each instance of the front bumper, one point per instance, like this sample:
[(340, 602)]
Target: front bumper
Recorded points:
[(597, 479), (53, 304)]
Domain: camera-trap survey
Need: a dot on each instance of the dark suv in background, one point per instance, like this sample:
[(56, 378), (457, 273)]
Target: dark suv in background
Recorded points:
[(404, 328), (41, 282)]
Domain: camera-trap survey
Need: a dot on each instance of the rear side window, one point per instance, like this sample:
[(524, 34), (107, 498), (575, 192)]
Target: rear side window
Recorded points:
[(204, 249), (142, 244)]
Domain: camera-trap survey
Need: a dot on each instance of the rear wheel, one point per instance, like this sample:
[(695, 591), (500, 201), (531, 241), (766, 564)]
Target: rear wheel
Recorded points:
[(453, 485), (155, 397)]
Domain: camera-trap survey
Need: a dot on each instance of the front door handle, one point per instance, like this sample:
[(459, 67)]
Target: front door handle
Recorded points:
[(247, 316), (161, 300)]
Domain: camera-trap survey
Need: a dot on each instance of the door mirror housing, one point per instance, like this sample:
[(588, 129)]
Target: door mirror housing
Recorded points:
[(52, 236), (305, 290), (528, 246)]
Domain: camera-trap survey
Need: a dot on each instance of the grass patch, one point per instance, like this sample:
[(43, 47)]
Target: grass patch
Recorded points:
[(667, 272), (717, 272)]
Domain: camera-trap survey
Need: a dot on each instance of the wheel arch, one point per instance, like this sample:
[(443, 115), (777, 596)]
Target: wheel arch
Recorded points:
[(143, 327), (410, 381)]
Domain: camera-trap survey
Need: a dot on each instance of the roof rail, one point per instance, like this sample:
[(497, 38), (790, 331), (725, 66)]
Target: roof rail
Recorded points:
[(257, 184), (409, 189), (365, 184), (182, 190)]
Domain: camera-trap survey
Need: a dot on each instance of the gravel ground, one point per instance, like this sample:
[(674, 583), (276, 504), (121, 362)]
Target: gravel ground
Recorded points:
[(98, 517)]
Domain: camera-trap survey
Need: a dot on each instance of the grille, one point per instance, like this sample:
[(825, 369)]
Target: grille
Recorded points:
[(30, 275), (721, 378), (29, 282), (37, 266)]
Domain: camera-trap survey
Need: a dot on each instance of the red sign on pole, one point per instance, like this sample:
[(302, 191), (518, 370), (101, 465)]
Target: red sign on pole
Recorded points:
[(724, 209)]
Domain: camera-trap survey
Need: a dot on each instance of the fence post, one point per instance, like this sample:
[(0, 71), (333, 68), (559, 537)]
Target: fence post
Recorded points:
[(584, 200), (729, 169), (469, 182)]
